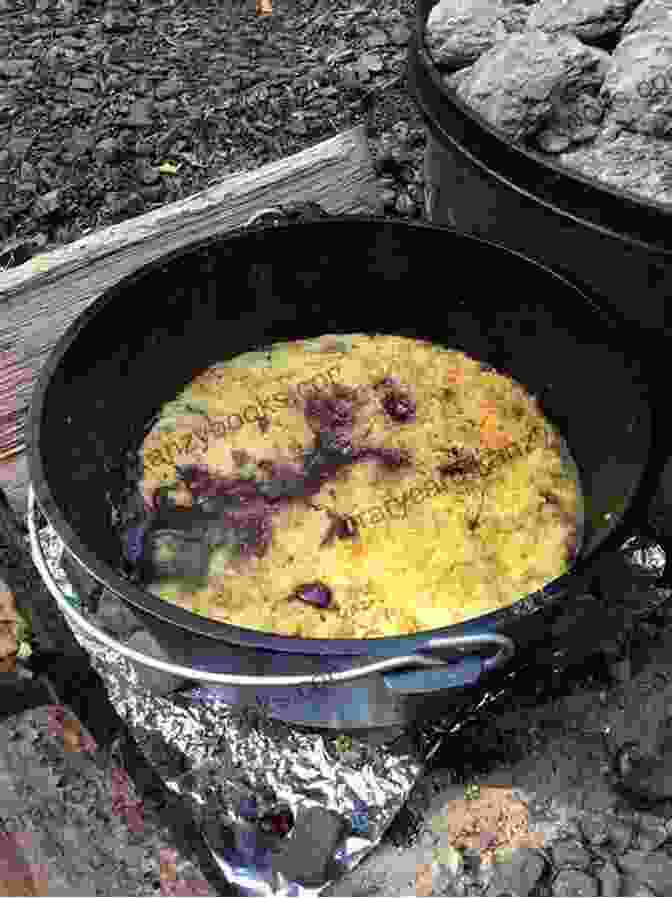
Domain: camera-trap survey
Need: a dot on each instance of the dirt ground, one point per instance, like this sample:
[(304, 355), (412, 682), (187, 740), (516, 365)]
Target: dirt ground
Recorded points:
[(560, 754)]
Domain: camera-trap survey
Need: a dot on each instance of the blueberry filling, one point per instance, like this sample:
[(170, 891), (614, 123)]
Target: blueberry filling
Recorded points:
[(341, 527), (286, 482), (317, 594), (330, 412), (390, 457), (399, 406), (235, 513), (134, 542)]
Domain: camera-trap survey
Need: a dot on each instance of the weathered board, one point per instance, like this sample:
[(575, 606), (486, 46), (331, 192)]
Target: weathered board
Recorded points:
[(42, 297)]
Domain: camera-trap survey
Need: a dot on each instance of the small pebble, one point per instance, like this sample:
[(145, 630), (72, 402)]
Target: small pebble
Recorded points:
[(406, 206), (388, 198), (472, 861), (595, 830), (575, 884), (450, 858), (570, 853), (620, 835)]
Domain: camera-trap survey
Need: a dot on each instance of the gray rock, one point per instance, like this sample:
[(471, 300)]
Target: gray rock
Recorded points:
[(48, 203), (143, 148), (115, 617), (13, 68), (631, 887), (570, 853), (586, 19), (405, 205), (17, 147), (119, 20), (519, 876), (168, 107), (620, 834), (517, 84), (551, 141), (638, 84), (140, 114), (7, 99), (640, 165), (653, 869), (621, 670), (600, 800), (594, 830), (610, 880), (83, 83), (399, 34), (153, 680), (575, 884), (388, 198), (459, 31), (472, 861), (152, 193), (170, 88), (649, 15), (147, 174), (81, 98), (571, 121), (107, 149), (650, 834), (116, 54)]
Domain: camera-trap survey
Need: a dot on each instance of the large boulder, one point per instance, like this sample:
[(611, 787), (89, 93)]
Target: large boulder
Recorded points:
[(650, 15), (459, 31), (633, 162), (518, 83), (638, 83), (586, 19)]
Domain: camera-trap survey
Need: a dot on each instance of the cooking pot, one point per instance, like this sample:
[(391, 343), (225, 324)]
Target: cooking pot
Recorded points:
[(144, 339), (480, 181)]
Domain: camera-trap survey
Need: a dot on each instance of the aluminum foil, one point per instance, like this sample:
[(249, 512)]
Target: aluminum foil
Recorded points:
[(251, 780), (248, 777)]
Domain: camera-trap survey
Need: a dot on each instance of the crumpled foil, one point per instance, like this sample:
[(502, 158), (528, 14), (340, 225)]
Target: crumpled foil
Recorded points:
[(249, 778), (244, 773)]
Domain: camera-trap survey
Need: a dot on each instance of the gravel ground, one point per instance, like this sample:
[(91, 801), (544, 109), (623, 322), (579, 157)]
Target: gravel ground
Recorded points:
[(110, 110), (582, 753), (77, 818)]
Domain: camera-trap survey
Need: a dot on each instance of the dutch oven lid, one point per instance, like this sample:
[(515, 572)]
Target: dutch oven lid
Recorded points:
[(579, 197)]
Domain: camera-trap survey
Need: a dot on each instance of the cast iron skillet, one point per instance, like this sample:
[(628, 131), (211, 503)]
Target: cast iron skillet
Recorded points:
[(148, 336)]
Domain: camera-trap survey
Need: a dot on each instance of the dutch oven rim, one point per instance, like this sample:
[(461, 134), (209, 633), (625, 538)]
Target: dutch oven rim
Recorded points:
[(197, 625), (537, 165)]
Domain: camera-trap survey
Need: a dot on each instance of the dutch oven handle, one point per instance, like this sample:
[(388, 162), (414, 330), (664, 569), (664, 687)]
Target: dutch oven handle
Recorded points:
[(446, 675), (438, 671)]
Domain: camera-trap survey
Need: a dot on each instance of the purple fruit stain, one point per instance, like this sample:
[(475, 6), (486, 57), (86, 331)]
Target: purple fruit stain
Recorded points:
[(134, 542), (317, 594), (399, 406)]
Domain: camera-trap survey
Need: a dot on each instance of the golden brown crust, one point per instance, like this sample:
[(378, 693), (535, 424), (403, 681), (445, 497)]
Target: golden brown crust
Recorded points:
[(484, 514)]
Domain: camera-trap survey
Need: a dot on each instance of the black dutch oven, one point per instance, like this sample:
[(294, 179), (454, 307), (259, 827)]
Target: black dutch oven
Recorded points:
[(484, 184), (144, 339)]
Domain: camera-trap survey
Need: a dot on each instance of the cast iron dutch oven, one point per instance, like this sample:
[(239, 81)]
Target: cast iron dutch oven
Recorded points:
[(618, 244), (144, 339)]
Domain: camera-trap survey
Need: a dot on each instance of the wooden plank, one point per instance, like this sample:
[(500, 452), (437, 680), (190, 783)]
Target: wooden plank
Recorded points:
[(42, 297), (14, 481)]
